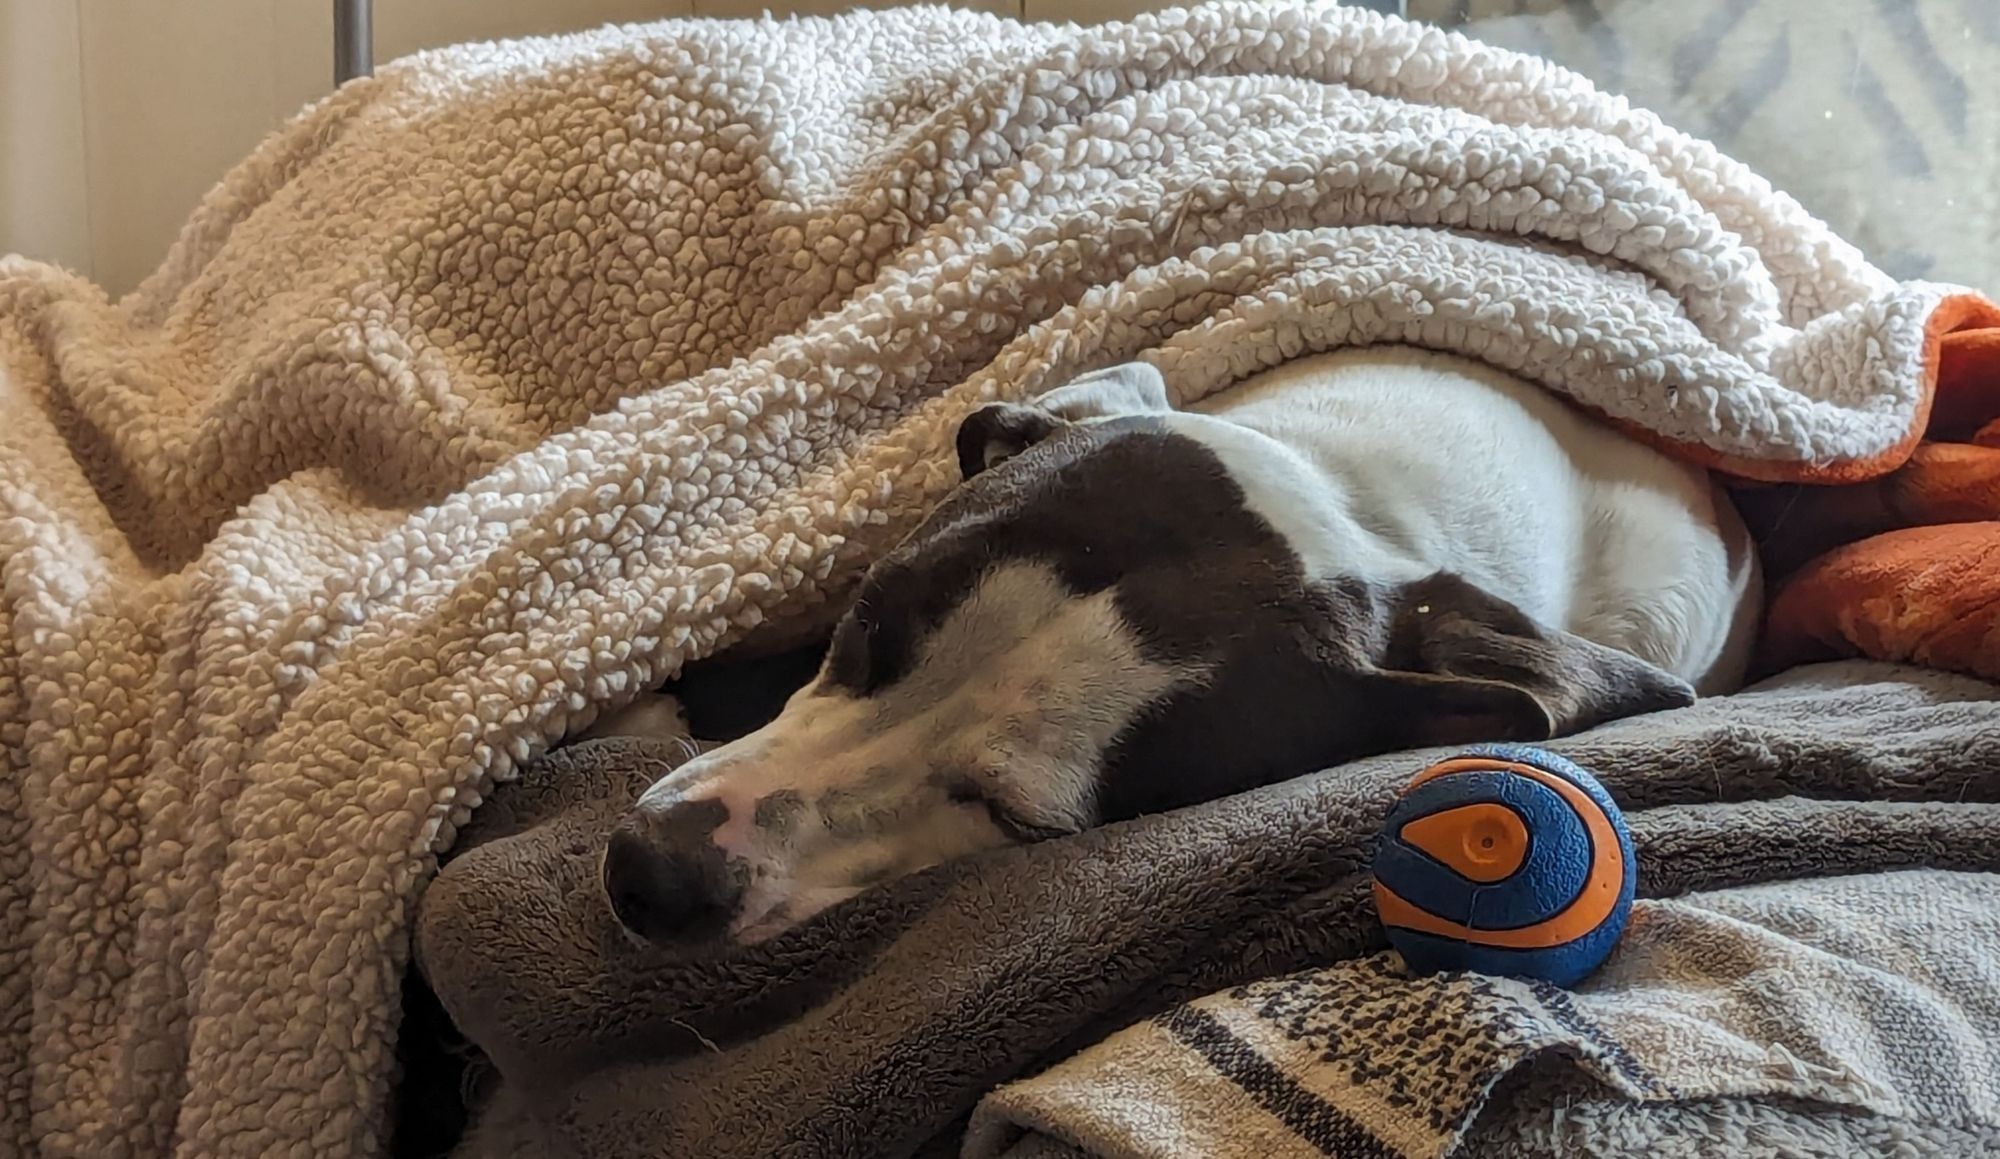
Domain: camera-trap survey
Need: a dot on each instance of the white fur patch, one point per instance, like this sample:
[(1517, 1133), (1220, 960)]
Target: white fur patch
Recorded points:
[(1020, 690)]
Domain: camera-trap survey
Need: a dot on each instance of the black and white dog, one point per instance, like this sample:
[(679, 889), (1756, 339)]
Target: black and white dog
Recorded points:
[(1129, 608)]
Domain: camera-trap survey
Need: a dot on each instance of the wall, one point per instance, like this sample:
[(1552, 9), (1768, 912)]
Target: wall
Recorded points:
[(43, 177), (117, 115)]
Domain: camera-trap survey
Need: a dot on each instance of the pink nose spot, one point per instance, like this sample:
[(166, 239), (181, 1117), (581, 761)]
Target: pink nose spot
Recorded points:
[(737, 833)]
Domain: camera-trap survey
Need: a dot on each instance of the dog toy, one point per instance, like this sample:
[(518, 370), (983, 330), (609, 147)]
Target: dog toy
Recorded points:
[(1505, 860)]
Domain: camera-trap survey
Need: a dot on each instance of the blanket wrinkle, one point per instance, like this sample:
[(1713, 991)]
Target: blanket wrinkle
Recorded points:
[(496, 387)]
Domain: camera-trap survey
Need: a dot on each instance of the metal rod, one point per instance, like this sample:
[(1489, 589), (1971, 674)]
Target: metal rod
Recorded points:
[(353, 39)]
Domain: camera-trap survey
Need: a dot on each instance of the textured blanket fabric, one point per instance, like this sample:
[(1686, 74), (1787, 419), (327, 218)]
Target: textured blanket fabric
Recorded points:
[(1872, 114), (876, 1031), (1911, 563), (500, 384), (1854, 1007), (1918, 181)]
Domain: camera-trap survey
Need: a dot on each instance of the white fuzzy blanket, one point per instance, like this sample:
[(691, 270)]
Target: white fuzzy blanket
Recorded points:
[(494, 388)]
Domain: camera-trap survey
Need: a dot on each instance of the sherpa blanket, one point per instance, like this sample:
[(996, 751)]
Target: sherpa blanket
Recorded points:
[(1886, 89), (1905, 566), (498, 385), (1807, 1019), (876, 1030)]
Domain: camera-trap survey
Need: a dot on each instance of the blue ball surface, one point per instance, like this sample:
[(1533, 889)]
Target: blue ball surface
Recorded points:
[(1506, 860)]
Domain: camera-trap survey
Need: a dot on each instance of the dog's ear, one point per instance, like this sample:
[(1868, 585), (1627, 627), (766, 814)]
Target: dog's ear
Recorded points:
[(1129, 388), (1463, 666), (998, 431)]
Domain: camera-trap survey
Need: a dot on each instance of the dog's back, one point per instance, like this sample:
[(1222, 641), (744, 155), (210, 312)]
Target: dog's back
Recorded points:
[(1396, 463)]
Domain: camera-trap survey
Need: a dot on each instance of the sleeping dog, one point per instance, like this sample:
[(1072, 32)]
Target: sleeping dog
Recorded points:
[(1129, 608)]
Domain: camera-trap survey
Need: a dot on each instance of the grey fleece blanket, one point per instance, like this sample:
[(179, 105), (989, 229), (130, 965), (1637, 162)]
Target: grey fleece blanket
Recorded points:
[(876, 1030)]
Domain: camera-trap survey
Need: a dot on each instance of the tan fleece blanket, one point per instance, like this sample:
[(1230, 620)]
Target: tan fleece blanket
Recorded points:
[(495, 387)]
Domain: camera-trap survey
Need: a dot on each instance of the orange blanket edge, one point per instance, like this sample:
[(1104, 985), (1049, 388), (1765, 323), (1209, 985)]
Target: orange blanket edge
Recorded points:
[(1926, 592), (1958, 317)]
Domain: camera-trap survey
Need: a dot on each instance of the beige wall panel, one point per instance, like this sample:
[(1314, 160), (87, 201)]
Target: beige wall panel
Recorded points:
[(44, 175), (175, 91)]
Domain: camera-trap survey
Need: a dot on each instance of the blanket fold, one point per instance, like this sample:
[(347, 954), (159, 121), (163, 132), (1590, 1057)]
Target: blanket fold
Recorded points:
[(499, 385), (1902, 566)]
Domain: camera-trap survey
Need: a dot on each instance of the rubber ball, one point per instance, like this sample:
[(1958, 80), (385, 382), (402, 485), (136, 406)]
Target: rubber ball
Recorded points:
[(1505, 860)]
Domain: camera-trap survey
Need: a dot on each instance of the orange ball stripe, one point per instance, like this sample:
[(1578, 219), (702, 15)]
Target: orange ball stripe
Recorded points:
[(1483, 842), (1592, 905)]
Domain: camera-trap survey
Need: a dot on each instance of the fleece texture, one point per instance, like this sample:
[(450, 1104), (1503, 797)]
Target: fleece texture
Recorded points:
[(1819, 1006), (1907, 565), (497, 386), (1890, 93), (1873, 115), (877, 1029)]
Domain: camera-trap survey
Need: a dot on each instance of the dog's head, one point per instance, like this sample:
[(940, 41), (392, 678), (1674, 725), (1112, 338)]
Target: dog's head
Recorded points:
[(1110, 617)]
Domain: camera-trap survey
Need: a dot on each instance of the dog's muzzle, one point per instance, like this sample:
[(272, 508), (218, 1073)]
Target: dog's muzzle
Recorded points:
[(667, 880)]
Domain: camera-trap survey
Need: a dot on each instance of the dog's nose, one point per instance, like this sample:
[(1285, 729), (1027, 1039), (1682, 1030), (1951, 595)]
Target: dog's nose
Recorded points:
[(666, 879)]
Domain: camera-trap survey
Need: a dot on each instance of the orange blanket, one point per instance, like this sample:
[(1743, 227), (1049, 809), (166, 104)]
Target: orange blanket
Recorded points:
[(1904, 566)]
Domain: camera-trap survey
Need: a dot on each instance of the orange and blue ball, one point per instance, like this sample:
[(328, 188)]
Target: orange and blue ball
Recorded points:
[(1507, 860)]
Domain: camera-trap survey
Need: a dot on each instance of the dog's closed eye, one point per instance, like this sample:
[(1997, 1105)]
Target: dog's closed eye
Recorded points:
[(968, 792)]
